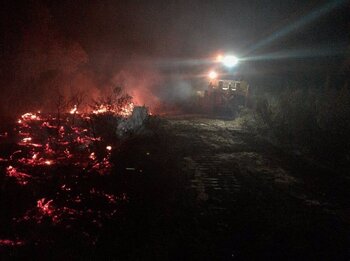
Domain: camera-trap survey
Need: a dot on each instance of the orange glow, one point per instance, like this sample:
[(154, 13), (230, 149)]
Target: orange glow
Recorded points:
[(125, 111), (92, 156), (219, 58), (74, 110), (27, 139), (48, 162), (100, 109), (45, 206), (30, 116)]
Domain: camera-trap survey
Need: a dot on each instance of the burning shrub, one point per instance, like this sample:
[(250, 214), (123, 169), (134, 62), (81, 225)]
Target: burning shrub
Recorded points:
[(114, 102)]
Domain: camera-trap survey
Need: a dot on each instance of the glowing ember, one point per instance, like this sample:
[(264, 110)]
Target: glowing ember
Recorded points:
[(27, 139), (21, 177), (45, 206), (35, 156), (48, 162), (30, 116), (74, 110), (101, 109), (123, 111), (127, 109), (109, 148), (12, 243), (92, 156)]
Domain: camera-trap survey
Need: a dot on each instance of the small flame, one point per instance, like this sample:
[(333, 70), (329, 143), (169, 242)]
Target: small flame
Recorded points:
[(125, 111), (100, 109), (30, 116), (45, 206), (74, 110), (92, 156), (48, 162), (27, 139)]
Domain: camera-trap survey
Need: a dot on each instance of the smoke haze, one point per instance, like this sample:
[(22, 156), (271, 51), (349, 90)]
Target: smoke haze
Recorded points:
[(154, 49)]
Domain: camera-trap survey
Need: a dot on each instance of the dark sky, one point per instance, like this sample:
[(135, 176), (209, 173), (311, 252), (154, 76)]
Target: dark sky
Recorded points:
[(183, 29), (39, 38)]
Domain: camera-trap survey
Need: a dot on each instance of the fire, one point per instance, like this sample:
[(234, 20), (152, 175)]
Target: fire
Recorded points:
[(92, 156), (22, 178), (64, 150), (127, 109), (27, 139), (30, 116), (48, 162), (74, 110), (124, 111), (35, 156), (45, 206), (100, 109)]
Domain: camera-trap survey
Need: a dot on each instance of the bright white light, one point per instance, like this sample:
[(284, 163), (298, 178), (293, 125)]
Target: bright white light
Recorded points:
[(212, 75), (230, 61)]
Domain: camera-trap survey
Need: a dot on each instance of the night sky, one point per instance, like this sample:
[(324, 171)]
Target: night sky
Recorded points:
[(113, 36)]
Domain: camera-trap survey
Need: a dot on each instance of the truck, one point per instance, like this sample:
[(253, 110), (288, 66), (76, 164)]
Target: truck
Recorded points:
[(224, 97)]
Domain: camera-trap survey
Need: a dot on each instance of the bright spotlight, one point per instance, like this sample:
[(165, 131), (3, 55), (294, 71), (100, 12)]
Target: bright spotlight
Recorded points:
[(212, 75), (230, 61)]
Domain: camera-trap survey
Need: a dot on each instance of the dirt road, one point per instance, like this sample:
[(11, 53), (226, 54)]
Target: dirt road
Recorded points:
[(256, 202)]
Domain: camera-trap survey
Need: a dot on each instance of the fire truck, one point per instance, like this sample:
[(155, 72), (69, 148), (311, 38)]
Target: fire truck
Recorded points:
[(224, 96)]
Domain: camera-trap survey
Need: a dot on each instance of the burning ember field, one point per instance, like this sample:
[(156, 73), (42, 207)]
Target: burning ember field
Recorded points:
[(113, 185), (63, 181)]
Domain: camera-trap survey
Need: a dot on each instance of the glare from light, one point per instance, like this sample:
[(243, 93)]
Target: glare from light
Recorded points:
[(297, 25), (219, 58), (230, 61), (212, 75)]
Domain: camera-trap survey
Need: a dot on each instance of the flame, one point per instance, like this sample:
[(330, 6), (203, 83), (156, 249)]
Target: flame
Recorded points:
[(22, 178), (27, 139), (92, 156), (45, 206), (127, 109), (30, 116), (74, 110), (124, 111), (48, 162), (100, 109)]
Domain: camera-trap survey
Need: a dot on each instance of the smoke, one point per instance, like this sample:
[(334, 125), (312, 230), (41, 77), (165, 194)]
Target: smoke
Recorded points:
[(49, 64), (141, 82), (153, 49)]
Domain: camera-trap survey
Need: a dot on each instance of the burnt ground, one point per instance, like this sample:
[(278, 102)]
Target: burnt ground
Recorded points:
[(256, 201), (197, 189)]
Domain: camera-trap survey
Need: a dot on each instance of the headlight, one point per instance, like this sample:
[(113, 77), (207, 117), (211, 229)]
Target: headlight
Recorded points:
[(230, 61), (212, 75)]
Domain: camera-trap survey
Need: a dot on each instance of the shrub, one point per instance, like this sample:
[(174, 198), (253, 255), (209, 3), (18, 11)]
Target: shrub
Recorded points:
[(315, 120)]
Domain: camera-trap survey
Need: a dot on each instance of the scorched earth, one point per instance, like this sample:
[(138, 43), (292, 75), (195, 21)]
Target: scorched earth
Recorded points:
[(176, 189)]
